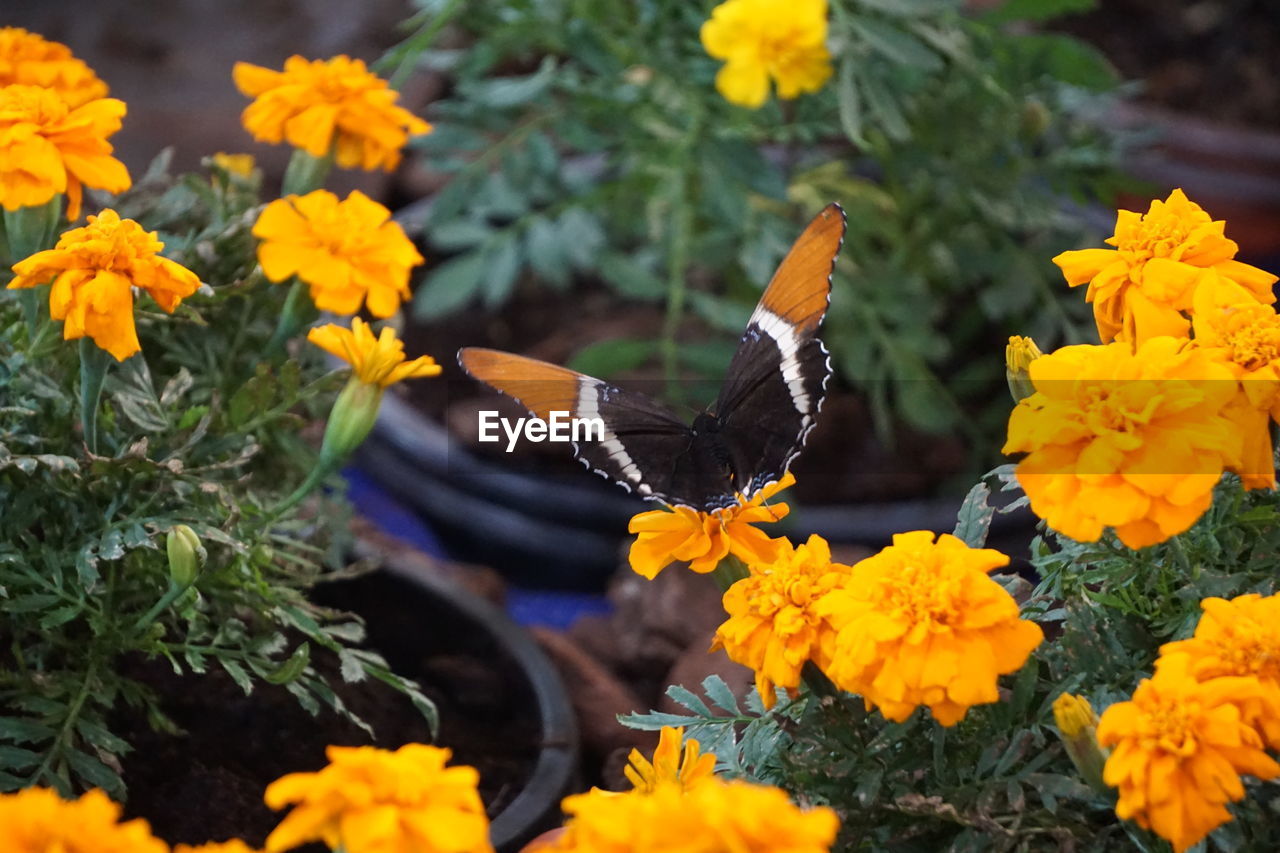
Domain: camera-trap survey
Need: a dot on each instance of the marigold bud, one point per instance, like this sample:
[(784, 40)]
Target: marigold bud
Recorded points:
[(1018, 356), (353, 416), (186, 555), (1078, 728)]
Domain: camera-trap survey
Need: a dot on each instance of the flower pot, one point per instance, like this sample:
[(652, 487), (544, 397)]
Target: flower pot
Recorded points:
[(503, 708)]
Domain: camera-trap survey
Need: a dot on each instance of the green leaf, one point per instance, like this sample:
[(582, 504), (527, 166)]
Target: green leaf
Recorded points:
[(720, 694), (630, 278), (504, 92), (609, 357), (655, 721), (687, 698), (1037, 10), (458, 234), (292, 668), (974, 517), (546, 252), (911, 8), (885, 109), (849, 102), (21, 730), (87, 566), (18, 758), (582, 235), (450, 286), (238, 674), (897, 45), (502, 257)]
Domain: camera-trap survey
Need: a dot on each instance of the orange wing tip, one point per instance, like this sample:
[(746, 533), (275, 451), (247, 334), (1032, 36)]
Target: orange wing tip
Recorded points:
[(801, 288), (539, 386)]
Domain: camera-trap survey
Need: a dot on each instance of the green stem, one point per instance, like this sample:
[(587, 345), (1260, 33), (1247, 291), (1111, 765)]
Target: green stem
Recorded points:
[(170, 596), (678, 257), (729, 571), (68, 726), (403, 55), (305, 172), (315, 478), (94, 362), (29, 230), (292, 318)]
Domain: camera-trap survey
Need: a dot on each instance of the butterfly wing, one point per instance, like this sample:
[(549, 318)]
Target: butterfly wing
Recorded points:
[(644, 447), (777, 378)]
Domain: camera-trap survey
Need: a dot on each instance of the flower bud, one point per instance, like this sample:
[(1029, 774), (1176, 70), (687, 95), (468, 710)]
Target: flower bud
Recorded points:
[(1018, 356), (1078, 729), (353, 416), (186, 555)]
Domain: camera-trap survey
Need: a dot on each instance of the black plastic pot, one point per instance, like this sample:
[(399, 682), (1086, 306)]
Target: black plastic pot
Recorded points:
[(416, 612)]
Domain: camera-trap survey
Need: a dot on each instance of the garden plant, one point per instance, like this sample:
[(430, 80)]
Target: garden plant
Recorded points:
[(162, 498)]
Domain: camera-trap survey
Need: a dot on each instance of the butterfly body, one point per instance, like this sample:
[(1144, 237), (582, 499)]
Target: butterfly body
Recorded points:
[(766, 408)]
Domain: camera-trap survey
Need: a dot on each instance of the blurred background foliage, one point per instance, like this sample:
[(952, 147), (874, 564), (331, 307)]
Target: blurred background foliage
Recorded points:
[(585, 141)]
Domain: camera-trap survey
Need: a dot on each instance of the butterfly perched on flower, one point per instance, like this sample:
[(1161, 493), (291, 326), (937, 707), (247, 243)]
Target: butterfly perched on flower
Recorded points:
[(767, 405)]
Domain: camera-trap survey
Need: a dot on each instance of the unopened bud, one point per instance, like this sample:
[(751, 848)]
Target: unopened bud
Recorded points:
[(1078, 729), (351, 419), (1018, 356), (186, 555)]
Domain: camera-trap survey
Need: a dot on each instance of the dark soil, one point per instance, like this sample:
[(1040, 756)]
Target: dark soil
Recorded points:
[(207, 785), (1215, 58)]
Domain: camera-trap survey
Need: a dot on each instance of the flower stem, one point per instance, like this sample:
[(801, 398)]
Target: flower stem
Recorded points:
[(170, 596), (305, 172), (94, 362), (729, 571), (292, 318), (29, 230), (321, 470)]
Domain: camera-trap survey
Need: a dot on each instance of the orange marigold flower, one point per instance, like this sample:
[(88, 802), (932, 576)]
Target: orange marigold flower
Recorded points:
[(1244, 335), (370, 800), (774, 625), (94, 270), (235, 845), (670, 764), (321, 106), (1179, 749), (1135, 441), (922, 623), (37, 820), (703, 539), (48, 147), (348, 251), (28, 59), (763, 40), (1238, 637), (1142, 288), (714, 816), (375, 361)]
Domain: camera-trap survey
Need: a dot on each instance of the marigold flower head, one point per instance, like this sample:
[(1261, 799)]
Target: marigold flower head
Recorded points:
[(922, 623), (714, 816), (374, 361), (1237, 637), (703, 539), (763, 40), (1244, 335), (328, 105), (94, 269), (1073, 715), (28, 59), (37, 820), (774, 625), (1142, 288), (235, 845), (1135, 441), (1179, 748), (370, 800), (241, 165), (670, 764), (348, 251), (48, 147), (1078, 728), (1018, 356)]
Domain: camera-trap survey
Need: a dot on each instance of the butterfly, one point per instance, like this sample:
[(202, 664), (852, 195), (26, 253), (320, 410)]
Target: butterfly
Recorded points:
[(767, 405)]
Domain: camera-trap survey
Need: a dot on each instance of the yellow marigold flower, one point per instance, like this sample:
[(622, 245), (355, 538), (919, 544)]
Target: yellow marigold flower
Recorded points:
[(1239, 637), (670, 764), (48, 147), (28, 59), (370, 800), (1078, 727), (922, 623), (94, 269), (1073, 715), (235, 845), (714, 816), (321, 106), (703, 539), (762, 40), (1135, 441), (348, 251), (1179, 749), (774, 626), (1244, 335), (236, 164), (37, 820), (375, 361), (1142, 288)]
